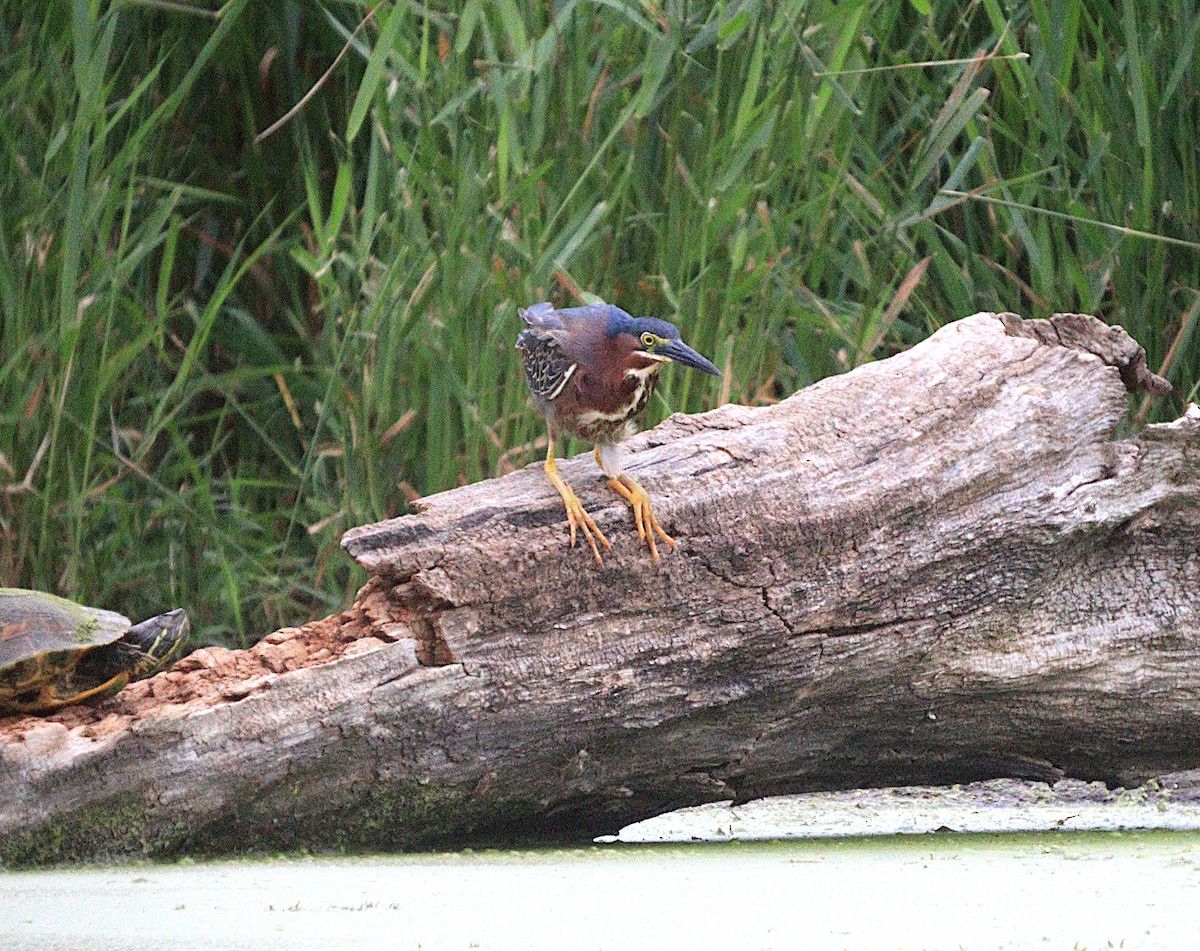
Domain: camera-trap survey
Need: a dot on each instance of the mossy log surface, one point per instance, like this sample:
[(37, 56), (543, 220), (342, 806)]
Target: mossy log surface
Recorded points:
[(947, 566)]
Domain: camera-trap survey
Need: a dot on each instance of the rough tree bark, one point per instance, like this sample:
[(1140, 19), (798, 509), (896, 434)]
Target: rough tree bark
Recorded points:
[(942, 567)]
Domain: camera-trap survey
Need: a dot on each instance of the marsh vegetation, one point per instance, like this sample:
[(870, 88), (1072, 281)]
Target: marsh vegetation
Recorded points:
[(254, 294)]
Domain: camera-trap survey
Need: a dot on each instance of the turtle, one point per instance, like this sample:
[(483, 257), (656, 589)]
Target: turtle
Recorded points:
[(54, 652)]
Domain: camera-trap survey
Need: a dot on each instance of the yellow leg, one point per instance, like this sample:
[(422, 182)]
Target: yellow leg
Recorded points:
[(107, 689), (48, 699), (577, 517), (643, 514)]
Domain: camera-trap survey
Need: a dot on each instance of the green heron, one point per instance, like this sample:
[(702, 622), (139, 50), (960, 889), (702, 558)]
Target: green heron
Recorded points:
[(591, 371)]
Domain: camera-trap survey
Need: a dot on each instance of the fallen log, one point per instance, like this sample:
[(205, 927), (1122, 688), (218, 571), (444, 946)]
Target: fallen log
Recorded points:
[(943, 567)]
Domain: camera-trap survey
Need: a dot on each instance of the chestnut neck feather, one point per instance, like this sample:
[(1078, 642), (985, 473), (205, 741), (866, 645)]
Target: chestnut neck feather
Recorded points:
[(616, 356), (601, 383)]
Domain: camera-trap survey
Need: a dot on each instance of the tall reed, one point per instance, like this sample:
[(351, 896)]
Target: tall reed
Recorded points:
[(222, 349)]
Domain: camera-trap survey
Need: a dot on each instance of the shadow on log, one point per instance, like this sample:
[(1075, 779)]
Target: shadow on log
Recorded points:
[(943, 567)]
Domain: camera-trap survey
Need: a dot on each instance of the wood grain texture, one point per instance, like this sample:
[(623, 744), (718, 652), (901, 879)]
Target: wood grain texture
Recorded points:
[(946, 566)]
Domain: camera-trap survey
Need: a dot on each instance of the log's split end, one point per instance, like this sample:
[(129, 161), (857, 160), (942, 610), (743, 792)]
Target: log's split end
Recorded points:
[(1111, 343)]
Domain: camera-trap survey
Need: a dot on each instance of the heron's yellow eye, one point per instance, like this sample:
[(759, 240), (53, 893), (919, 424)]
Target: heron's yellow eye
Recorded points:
[(649, 340)]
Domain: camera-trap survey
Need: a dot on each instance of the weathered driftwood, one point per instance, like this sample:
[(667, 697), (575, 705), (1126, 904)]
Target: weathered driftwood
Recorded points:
[(943, 567)]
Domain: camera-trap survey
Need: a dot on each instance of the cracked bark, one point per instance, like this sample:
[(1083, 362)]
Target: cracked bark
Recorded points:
[(947, 566)]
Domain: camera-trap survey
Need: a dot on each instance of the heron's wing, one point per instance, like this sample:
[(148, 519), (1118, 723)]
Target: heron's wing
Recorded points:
[(541, 315), (548, 368)]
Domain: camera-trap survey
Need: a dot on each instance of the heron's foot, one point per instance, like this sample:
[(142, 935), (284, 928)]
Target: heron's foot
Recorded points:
[(643, 514), (577, 516)]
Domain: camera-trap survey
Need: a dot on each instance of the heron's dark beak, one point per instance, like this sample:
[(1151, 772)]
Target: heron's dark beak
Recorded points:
[(679, 352)]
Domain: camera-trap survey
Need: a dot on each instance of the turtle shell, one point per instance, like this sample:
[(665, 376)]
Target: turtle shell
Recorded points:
[(34, 623), (43, 636)]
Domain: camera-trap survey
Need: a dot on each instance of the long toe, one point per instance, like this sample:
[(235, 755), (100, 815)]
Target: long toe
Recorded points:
[(648, 528), (577, 516)]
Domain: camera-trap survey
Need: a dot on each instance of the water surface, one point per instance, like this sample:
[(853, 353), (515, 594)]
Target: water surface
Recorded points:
[(949, 891)]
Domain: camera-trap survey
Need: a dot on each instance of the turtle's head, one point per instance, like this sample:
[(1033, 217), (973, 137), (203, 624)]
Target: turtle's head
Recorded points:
[(159, 641)]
